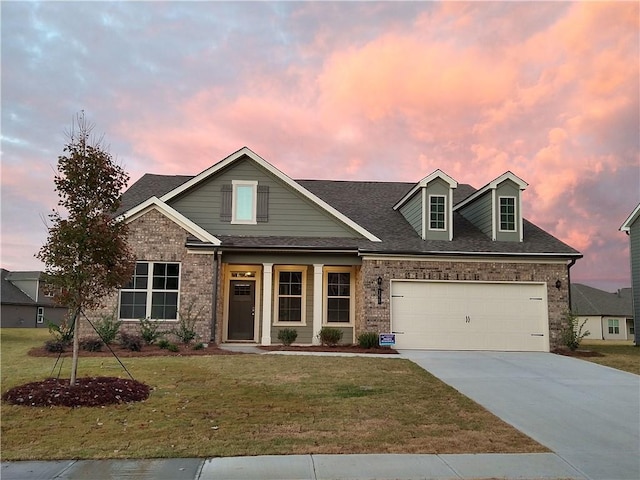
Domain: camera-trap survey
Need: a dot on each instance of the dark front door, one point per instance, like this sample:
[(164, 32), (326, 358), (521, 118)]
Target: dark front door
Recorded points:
[(241, 310)]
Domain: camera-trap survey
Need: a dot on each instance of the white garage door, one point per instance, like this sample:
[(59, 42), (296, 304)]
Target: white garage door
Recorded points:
[(469, 316)]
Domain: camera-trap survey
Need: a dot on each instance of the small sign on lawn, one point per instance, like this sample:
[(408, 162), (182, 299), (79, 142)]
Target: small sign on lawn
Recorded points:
[(387, 339)]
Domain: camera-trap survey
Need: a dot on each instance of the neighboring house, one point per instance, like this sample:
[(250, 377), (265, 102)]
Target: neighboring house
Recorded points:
[(26, 302), (608, 316), (251, 251), (631, 227)]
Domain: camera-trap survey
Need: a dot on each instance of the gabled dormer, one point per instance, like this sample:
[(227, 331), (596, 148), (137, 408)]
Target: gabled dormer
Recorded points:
[(496, 209), (428, 207)]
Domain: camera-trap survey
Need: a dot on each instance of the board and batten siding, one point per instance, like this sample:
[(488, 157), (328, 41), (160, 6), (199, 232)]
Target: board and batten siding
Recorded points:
[(508, 189), (634, 251), (441, 188), (289, 213), (479, 213), (412, 212)]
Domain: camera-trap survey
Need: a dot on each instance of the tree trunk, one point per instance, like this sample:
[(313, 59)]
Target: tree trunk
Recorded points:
[(76, 344)]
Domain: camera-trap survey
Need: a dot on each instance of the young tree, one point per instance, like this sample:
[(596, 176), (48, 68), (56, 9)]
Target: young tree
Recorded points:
[(86, 255)]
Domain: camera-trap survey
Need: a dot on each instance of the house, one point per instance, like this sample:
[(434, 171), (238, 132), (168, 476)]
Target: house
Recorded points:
[(607, 316), (26, 301), (251, 251), (631, 227)]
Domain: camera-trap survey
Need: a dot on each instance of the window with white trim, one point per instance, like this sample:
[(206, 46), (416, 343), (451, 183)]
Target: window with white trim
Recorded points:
[(152, 292), (614, 326), (507, 214), (437, 212), (338, 302), (290, 288), (244, 201), (40, 315)]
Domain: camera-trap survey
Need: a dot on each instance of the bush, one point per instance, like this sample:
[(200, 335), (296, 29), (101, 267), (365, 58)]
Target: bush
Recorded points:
[(93, 344), (572, 333), (287, 336), (163, 343), (330, 336), (172, 347), (130, 341), (186, 330), (198, 346), (107, 328), (150, 330), (56, 346), (368, 340)]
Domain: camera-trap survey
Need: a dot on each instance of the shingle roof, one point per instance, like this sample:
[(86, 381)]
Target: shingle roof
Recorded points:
[(10, 294), (587, 300), (370, 204)]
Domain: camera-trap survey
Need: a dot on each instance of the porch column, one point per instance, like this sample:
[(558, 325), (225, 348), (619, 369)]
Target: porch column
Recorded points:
[(317, 302), (267, 275)]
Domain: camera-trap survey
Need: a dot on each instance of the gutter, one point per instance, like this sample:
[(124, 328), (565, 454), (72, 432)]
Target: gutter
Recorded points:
[(570, 264)]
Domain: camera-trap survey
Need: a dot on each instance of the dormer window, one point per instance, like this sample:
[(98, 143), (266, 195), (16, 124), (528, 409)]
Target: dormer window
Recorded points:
[(507, 214), (244, 201), (437, 212)]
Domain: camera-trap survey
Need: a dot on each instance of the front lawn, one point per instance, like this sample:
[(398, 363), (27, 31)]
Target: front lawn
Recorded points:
[(206, 406), (620, 355)]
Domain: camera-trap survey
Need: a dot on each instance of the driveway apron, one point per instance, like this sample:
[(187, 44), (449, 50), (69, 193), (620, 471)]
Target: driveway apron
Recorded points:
[(586, 413)]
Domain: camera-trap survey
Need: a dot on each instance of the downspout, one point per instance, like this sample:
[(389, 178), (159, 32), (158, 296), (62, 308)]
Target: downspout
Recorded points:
[(571, 264), (214, 309)]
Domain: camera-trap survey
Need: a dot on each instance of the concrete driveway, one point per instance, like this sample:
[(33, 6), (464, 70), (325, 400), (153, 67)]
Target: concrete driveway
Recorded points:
[(587, 414)]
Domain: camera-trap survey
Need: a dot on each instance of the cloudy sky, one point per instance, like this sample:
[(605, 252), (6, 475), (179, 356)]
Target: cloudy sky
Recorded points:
[(345, 90)]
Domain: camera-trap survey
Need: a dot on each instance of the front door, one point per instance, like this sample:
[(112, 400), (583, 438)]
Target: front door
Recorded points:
[(242, 305)]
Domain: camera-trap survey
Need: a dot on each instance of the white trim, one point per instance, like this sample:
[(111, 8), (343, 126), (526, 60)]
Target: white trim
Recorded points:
[(234, 201), (267, 278), (423, 183), (154, 203), (626, 226), (280, 175), (40, 315), (480, 257), (303, 295), (515, 214), (445, 213), (228, 270), (494, 220), (424, 214), (317, 302), (492, 185), (325, 300), (450, 214)]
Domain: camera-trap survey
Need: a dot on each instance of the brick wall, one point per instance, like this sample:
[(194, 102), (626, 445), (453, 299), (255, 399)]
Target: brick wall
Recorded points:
[(376, 318), (153, 237)]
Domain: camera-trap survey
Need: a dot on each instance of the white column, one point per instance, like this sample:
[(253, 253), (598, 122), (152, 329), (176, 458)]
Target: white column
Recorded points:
[(317, 302), (267, 275)]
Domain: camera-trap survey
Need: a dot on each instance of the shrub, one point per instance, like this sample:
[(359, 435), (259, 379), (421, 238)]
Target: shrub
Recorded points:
[(172, 347), (130, 341), (55, 346), (62, 337), (572, 333), (330, 336), (186, 330), (287, 336), (92, 344), (150, 330), (107, 328), (198, 346), (163, 343), (368, 340)]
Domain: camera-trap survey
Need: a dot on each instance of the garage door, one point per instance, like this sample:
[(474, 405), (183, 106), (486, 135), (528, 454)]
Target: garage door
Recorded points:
[(469, 316)]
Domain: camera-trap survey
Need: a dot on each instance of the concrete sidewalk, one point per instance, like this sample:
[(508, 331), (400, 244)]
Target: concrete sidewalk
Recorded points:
[(536, 466)]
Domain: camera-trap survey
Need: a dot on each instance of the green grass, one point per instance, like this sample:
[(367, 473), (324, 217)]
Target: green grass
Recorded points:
[(620, 355), (249, 405)]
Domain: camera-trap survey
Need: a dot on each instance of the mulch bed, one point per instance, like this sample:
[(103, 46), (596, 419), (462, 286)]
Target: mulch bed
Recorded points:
[(87, 392), (323, 348), (577, 353), (147, 351)]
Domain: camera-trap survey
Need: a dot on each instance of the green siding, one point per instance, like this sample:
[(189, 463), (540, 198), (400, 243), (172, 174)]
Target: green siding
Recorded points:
[(507, 189), (479, 213), (305, 332), (290, 214), (438, 187), (412, 212), (291, 259), (634, 250)]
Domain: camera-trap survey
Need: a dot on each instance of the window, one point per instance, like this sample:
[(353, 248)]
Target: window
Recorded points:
[(507, 214), (40, 315), (290, 288), (244, 202), (338, 288), (437, 212), (152, 292), (614, 326)]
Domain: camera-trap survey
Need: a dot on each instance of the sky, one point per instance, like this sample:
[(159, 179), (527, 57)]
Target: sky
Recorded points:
[(385, 91)]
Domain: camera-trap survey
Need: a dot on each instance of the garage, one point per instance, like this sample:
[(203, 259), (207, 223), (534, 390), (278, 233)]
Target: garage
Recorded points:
[(470, 315)]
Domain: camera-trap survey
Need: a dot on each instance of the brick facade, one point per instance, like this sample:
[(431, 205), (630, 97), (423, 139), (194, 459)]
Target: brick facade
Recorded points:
[(377, 318), (153, 237)]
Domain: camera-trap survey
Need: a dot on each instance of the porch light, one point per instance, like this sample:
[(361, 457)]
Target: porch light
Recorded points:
[(558, 284)]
